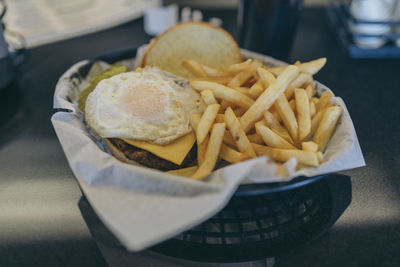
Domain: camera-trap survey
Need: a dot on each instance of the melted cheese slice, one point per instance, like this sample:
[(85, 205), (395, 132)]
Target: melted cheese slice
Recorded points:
[(175, 152)]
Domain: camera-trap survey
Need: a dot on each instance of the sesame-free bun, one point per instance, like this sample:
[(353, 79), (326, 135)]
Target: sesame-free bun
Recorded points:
[(199, 41)]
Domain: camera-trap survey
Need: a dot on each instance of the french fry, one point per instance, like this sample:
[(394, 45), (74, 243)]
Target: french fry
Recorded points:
[(311, 67), (287, 115), (236, 68), (324, 100), (187, 172), (266, 77), (327, 126), (313, 109), (271, 138), (208, 97), (223, 92), (303, 113), (256, 90), (213, 149), (243, 90), (230, 155), (309, 146), (319, 156), (255, 138), (314, 66), (206, 122), (224, 80), (241, 140), (309, 91), (195, 68), (315, 121), (211, 72), (292, 104), (315, 100), (267, 98), (303, 157), (245, 74), (201, 147), (273, 123), (300, 80)]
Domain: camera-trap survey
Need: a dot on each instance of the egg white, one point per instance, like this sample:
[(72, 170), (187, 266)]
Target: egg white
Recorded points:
[(151, 105)]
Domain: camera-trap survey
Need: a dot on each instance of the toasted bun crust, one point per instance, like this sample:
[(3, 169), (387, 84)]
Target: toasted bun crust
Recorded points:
[(199, 41), (118, 153)]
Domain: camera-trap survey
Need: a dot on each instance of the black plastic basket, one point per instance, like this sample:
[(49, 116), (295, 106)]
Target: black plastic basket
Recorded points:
[(339, 16), (260, 221)]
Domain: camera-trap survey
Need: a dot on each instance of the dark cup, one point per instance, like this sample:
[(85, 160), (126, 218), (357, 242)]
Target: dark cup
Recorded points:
[(268, 26)]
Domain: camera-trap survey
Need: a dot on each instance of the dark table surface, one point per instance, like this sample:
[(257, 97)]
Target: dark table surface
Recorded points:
[(40, 222)]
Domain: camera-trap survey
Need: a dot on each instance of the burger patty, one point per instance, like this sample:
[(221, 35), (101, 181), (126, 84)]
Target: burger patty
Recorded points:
[(150, 160)]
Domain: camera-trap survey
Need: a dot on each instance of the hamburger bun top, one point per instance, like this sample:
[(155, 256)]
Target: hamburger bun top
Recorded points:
[(199, 41)]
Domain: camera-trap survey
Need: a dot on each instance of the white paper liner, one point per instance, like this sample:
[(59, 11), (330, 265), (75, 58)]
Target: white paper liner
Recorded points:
[(143, 206)]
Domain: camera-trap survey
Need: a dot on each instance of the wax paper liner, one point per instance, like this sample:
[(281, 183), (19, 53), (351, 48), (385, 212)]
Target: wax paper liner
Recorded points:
[(144, 206)]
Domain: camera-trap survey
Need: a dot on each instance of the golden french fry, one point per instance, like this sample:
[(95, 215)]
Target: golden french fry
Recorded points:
[(313, 109), (241, 140), (206, 122), (194, 67), (303, 157), (314, 66), (208, 97), (309, 146), (230, 155), (292, 104), (287, 115), (255, 138), (315, 121), (213, 149), (303, 113), (236, 68), (223, 92), (300, 80), (243, 90), (267, 98), (327, 126), (211, 72), (315, 100), (266, 77), (220, 79), (256, 90), (319, 156), (201, 147), (187, 172), (245, 74), (271, 138), (273, 123), (311, 67), (324, 100), (309, 91)]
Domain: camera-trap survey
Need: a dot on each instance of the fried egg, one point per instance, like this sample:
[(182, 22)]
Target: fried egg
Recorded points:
[(151, 105)]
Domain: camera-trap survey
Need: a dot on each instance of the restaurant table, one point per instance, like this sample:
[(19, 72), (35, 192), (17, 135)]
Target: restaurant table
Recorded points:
[(40, 221)]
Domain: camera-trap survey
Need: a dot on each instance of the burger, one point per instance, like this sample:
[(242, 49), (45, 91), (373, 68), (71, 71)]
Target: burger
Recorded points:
[(143, 115)]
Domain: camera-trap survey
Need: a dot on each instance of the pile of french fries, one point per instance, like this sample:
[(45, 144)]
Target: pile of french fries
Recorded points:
[(254, 110)]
